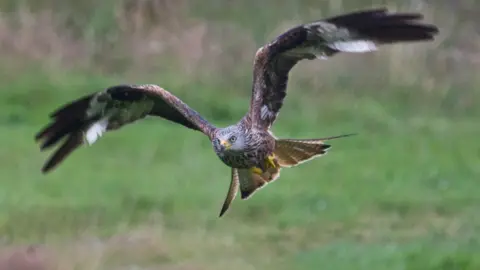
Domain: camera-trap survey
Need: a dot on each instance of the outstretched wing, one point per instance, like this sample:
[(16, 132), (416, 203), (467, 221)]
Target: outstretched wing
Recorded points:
[(84, 120), (356, 32)]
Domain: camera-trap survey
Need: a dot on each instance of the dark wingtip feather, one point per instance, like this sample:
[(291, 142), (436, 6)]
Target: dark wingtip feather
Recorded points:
[(355, 16), (65, 117), (44, 132), (68, 122), (56, 131), (73, 142), (223, 210), (385, 27), (73, 107)]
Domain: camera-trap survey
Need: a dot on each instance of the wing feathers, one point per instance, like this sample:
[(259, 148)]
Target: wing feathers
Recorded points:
[(67, 122), (73, 107), (96, 130), (232, 192), (355, 32), (57, 131), (73, 142), (166, 105), (357, 46), (87, 118)]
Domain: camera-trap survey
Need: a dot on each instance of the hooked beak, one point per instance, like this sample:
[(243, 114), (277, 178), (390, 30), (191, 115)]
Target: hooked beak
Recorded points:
[(225, 144)]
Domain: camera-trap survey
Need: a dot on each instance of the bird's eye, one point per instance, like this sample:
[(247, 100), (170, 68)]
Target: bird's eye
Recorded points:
[(232, 139)]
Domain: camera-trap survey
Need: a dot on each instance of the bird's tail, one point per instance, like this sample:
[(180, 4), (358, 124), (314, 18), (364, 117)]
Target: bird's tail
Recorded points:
[(67, 122), (248, 182), (251, 182), (291, 152)]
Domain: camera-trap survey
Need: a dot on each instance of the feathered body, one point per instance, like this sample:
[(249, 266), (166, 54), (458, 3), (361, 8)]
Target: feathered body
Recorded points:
[(254, 154), (249, 147)]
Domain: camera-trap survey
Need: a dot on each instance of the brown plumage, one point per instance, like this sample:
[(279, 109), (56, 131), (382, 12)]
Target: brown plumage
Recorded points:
[(248, 147), (126, 103), (356, 32)]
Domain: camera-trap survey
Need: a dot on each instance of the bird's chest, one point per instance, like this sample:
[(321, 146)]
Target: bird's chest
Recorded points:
[(239, 160), (251, 157)]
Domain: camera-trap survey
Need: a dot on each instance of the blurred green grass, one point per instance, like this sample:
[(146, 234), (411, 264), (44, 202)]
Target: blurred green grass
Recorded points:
[(402, 194)]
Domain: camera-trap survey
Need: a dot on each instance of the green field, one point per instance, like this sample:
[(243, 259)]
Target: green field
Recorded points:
[(401, 195)]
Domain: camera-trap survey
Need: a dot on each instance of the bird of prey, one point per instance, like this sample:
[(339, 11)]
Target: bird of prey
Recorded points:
[(254, 154)]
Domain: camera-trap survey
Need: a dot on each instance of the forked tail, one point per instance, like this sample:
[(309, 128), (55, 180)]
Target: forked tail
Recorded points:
[(291, 152)]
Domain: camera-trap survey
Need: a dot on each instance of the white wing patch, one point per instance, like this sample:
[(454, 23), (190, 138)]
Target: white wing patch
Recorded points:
[(96, 130), (266, 113), (354, 46)]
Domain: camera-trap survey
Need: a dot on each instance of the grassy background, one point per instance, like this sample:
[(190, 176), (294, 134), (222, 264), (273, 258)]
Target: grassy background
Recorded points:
[(401, 195)]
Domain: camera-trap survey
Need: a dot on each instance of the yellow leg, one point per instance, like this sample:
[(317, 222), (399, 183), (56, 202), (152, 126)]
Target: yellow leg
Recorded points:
[(270, 162)]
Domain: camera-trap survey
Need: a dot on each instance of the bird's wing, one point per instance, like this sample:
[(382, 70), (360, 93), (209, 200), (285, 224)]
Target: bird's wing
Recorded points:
[(356, 32), (84, 120), (232, 191)]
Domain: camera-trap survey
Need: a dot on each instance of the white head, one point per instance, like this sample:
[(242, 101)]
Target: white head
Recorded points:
[(229, 139)]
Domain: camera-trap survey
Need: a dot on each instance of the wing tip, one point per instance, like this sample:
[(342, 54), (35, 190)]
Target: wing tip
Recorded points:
[(74, 141), (223, 210), (232, 192)]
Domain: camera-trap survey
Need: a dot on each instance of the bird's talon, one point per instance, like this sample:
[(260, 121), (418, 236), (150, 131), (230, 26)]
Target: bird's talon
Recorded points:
[(270, 162)]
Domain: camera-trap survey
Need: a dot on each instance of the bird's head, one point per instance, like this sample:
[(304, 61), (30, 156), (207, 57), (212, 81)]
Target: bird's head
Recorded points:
[(229, 139)]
